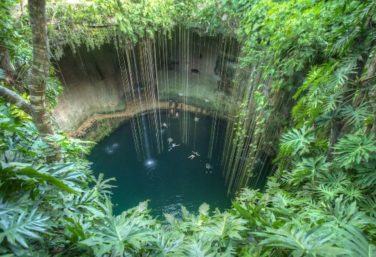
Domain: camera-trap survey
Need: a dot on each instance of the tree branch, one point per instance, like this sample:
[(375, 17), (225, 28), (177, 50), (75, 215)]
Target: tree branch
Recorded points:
[(366, 80), (98, 26), (13, 98)]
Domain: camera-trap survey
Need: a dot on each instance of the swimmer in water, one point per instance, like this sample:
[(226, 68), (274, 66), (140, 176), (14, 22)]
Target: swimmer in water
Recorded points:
[(164, 125), (193, 155), (208, 168), (196, 154), (170, 140), (173, 146)]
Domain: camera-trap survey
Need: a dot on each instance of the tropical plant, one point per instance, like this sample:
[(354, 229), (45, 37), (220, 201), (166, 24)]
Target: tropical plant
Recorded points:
[(313, 59), (297, 141), (354, 149)]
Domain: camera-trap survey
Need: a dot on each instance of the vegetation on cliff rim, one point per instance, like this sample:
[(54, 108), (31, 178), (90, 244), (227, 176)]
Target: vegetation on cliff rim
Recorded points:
[(320, 55)]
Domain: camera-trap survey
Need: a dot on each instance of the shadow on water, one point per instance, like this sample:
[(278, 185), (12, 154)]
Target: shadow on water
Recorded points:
[(168, 179)]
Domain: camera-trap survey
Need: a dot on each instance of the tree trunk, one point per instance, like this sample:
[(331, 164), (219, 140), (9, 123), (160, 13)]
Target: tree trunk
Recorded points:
[(39, 74)]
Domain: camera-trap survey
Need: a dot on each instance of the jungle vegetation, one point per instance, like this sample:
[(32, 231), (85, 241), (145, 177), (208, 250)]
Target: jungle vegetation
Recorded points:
[(318, 56)]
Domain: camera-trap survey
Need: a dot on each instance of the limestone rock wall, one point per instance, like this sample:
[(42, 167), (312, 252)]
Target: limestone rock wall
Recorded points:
[(188, 68), (91, 82)]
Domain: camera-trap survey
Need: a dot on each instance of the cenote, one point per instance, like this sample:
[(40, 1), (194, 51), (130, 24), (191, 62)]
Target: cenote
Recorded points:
[(188, 174), (188, 128), (181, 141)]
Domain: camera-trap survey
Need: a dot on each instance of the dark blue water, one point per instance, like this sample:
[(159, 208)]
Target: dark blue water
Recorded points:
[(168, 179)]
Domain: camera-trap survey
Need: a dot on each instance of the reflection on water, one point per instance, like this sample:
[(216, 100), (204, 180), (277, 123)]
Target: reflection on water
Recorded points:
[(110, 149), (180, 175), (150, 164)]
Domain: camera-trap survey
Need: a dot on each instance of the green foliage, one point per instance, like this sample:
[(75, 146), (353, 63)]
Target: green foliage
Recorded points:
[(17, 227), (297, 141), (356, 243), (308, 169), (121, 235), (320, 202), (355, 149), (312, 242), (24, 172), (355, 116), (97, 22), (14, 35)]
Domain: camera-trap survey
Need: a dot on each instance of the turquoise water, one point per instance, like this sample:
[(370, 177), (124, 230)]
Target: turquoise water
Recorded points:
[(169, 179)]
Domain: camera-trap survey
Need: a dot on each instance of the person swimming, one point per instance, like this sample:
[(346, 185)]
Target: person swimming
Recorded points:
[(208, 166), (196, 154), (173, 146), (208, 169), (170, 140)]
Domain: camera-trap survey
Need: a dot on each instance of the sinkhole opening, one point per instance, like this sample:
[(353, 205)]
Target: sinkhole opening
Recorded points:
[(185, 169), (185, 143)]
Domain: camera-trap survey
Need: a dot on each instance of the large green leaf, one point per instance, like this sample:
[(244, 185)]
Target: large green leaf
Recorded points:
[(19, 228), (21, 170)]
